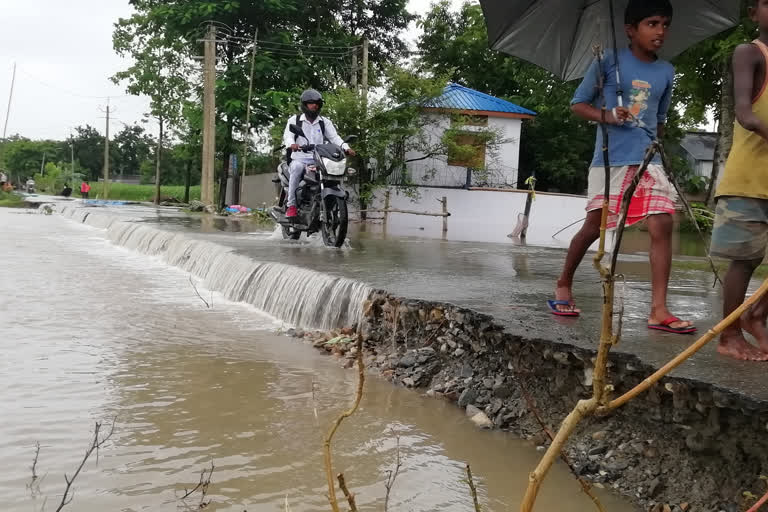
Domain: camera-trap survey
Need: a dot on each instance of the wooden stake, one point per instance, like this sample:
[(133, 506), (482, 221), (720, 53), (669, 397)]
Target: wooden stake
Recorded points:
[(386, 209), (445, 214)]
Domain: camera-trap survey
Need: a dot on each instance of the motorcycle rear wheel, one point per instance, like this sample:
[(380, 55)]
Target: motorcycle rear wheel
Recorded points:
[(334, 229)]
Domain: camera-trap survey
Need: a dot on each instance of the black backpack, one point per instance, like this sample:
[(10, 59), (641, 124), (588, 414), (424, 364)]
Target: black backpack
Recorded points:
[(296, 137)]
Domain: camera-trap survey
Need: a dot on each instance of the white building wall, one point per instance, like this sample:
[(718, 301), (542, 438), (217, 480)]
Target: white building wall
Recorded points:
[(503, 166), (484, 215)]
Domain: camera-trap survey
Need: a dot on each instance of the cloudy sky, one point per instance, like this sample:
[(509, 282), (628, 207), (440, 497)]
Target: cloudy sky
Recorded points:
[(64, 58)]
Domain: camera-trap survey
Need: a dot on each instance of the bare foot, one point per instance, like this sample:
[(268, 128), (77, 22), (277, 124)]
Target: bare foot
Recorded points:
[(658, 315), (564, 293), (736, 346), (755, 325)]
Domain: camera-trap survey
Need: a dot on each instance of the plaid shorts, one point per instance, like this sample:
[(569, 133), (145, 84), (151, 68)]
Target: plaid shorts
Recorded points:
[(741, 228), (653, 195)]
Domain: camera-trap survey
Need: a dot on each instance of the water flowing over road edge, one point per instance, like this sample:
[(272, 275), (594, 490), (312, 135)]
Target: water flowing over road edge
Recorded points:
[(684, 442), (297, 296)]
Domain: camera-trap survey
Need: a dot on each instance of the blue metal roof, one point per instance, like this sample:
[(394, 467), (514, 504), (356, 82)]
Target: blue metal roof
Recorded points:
[(463, 98)]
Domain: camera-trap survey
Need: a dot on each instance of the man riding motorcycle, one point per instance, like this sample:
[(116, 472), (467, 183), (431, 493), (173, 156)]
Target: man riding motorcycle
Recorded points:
[(317, 129)]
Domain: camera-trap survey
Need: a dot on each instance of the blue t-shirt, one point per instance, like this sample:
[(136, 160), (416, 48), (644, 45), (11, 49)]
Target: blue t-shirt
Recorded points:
[(647, 92)]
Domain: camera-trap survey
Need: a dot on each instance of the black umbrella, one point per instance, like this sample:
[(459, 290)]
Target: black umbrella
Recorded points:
[(559, 35)]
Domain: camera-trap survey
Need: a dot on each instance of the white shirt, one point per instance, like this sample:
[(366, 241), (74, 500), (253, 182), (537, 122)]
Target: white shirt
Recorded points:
[(314, 135)]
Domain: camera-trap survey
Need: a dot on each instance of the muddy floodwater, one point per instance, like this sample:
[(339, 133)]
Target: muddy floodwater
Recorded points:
[(92, 332)]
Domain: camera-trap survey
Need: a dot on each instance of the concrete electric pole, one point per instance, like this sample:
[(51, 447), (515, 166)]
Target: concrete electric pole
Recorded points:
[(105, 188), (364, 74), (209, 117)]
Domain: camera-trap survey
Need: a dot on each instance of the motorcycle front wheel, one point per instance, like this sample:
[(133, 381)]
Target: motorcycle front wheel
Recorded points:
[(334, 229), (290, 234)]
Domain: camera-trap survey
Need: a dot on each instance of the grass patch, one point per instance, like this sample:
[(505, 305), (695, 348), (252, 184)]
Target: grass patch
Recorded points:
[(722, 266), (128, 192), (11, 200)]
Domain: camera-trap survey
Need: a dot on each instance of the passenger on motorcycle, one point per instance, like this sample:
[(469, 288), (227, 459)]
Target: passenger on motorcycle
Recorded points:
[(318, 129)]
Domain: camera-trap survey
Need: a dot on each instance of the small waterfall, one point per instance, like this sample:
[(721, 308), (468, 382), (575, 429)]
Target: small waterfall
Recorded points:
[(296, 295)]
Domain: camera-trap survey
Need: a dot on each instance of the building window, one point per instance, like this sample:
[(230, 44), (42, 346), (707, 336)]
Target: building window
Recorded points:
[(467, 150)]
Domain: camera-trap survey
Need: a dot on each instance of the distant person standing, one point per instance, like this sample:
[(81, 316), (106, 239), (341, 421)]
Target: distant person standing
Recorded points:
[(84, 189)]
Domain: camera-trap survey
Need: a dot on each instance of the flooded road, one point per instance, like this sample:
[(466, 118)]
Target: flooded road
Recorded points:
[(92, 332)]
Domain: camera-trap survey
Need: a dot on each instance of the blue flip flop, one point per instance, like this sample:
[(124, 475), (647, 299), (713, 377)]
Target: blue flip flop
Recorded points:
[(553, 307)]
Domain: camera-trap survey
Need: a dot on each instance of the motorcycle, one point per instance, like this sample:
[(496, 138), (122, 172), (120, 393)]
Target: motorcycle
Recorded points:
[(320, 199)]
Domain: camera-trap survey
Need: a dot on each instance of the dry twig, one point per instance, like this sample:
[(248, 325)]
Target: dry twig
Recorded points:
[(392, 476), (202, 485), (473, 490), (335, 426), (95, 445), (207, 304), (350, 497), (34, 462)]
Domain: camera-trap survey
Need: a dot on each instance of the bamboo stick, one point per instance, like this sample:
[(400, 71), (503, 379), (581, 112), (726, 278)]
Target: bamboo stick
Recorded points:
[(674, 363), (583, 409)]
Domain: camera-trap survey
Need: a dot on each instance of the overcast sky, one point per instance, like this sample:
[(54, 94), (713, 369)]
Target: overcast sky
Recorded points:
[(64, 58)]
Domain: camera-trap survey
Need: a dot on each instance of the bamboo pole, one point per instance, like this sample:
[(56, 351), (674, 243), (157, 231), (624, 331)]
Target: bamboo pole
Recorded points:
[(674, 363), (409, 212), (588, 407), (444, 202)]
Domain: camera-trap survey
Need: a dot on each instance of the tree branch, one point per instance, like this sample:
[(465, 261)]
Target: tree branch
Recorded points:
[(346, 414), (95, 445), (392, 476), (350, 497), (473, 490)]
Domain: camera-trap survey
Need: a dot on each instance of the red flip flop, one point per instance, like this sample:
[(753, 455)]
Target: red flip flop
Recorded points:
[(665, 326), (553, 307)]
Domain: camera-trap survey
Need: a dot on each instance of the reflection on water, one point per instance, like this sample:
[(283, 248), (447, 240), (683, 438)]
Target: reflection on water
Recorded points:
[(92, 331)]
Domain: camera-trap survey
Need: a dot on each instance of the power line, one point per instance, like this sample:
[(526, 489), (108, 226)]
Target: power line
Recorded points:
[(295, 45), (67, 91)]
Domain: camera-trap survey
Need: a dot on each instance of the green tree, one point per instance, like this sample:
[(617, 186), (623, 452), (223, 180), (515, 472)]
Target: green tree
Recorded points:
[(23, 158), (132, 146), (160, 71), (89, 151)]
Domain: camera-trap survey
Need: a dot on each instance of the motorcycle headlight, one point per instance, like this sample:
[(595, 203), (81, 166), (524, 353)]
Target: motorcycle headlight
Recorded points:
[(351, 171), (333, 168)]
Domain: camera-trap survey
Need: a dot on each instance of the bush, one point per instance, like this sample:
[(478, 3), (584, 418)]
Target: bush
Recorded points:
[(704, 216), (127, 192)]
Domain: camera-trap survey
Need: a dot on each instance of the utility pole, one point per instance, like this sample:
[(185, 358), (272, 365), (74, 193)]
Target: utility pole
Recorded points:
[(157, 162), (364, 75), (353, 80), (105, 188), (72, 153), (209, 117), (42, 165), (10, 97), (239, 181)]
